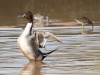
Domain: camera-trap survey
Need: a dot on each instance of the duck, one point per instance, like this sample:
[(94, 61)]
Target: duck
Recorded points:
[(84, 21), (26, 42), (42, 36), (41, 17)]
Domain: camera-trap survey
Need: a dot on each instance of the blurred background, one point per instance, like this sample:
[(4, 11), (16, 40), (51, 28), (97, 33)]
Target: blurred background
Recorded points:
[(66, 10)]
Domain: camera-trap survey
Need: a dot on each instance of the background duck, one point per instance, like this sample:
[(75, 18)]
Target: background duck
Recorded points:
[(41, 17), (84, 21)]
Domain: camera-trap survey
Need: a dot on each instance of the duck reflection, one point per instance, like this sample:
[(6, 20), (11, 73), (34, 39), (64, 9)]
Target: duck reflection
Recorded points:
[(32, 68), (85, 31)]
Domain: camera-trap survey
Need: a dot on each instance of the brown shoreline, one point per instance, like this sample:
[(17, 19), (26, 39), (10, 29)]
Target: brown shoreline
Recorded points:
[(56, 23), (7, 26), (65, 23)]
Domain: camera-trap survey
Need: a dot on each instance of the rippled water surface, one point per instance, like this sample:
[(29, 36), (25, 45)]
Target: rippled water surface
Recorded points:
[(78, 54)]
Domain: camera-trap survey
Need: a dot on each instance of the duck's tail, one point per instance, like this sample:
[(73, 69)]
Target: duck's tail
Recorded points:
[(46, 54)]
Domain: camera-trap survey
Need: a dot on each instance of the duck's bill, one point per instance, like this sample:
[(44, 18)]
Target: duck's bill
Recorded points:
[(22, 16)]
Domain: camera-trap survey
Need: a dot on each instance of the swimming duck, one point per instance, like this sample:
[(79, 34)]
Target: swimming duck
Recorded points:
[(84, 21), (41, 17), (26, 42)]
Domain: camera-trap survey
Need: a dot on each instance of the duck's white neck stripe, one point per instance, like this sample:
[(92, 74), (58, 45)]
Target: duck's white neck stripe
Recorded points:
[(28, 29)]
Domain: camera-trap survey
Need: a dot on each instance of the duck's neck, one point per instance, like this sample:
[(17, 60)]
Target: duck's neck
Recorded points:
[(28, 29)]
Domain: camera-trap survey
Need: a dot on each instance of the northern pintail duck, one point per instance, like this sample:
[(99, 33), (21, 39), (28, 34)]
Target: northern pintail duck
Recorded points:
[(42, 36), (84, 21), (41, 17), (26, 42)]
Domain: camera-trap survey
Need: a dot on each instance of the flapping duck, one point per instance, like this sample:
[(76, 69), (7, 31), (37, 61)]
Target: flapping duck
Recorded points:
[(27, 43)]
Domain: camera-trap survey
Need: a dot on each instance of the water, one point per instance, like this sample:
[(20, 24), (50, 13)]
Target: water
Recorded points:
[(79, 53), (66, 10)]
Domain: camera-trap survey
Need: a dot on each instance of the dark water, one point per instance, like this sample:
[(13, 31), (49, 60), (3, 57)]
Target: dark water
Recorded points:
[(80, 51), (66, 10)]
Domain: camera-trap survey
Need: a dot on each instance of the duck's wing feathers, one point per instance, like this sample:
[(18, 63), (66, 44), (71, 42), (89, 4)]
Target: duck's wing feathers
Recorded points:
[(51, 37), (47, 35)]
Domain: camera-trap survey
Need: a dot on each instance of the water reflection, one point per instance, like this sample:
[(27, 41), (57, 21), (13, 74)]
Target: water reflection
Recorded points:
[(89, 30), (86, 31), (32, 68)]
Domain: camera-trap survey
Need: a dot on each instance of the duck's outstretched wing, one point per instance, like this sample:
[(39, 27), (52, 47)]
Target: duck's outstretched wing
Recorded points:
[(42, 36), (51, 37)]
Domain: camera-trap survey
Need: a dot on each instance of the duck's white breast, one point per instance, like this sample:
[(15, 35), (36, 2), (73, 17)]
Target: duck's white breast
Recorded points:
[(25, 47)]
